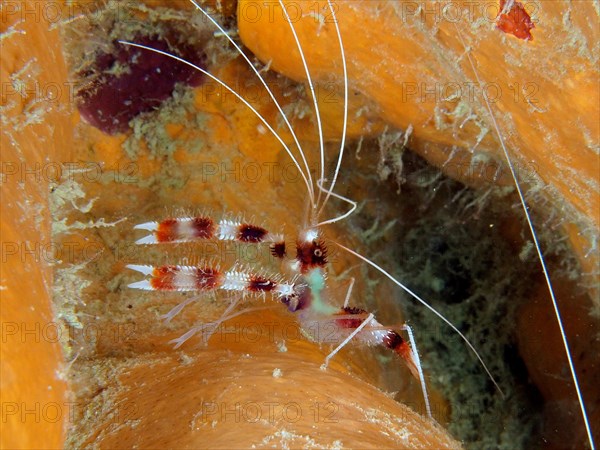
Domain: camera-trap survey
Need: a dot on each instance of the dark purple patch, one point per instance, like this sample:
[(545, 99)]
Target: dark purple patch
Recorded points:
[(278, 249), (251, 233), (147, 80)]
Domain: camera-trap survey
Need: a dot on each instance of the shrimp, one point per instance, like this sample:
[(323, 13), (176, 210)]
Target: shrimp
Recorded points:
[(307, 298)]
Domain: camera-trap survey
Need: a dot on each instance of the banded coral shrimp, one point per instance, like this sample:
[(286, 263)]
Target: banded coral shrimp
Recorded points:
[(228, 208)]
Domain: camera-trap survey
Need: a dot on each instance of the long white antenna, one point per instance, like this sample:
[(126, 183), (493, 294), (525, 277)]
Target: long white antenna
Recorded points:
[(352, 203), (312, 92), (428, 306), (341, 153), (244, 101), (311, 191), (536, 243)]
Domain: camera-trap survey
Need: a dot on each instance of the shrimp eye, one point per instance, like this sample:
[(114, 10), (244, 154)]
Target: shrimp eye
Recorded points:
[(311, 254), (319, 253)]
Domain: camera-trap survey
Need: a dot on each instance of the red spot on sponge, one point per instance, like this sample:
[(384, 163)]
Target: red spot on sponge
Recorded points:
[(514, 19)]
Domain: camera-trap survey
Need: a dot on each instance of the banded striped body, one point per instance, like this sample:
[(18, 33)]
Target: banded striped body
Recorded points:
[(304, 294)]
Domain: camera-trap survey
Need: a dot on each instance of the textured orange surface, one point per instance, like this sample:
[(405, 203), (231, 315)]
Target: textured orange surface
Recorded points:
[(236, 394), (35, 131), (546, 105), (30, 368)]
